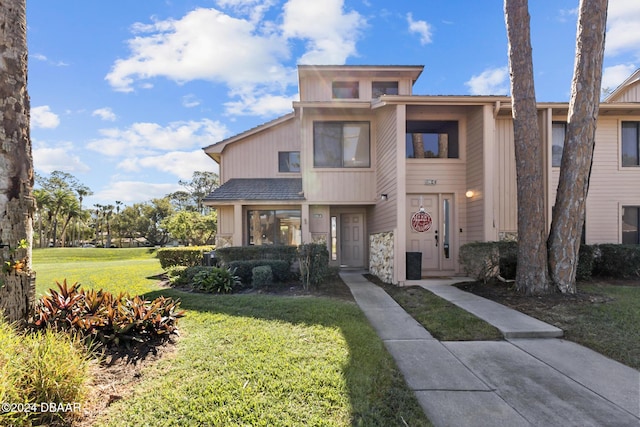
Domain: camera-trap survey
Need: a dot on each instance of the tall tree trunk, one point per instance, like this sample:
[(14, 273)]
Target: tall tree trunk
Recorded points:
[(531, 275), (418, 145), (577, 155), (17, 204)]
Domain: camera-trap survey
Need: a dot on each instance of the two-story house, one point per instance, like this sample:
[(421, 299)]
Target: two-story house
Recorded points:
[(377, 172)]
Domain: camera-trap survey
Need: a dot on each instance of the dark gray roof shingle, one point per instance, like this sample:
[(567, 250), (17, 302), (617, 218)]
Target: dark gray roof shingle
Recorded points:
[(258, 189)]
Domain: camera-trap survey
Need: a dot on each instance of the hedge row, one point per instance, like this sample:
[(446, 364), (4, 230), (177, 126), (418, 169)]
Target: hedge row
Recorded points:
[(282, 263), (484, 261), (281, 270), (188, 256), (246, 253)]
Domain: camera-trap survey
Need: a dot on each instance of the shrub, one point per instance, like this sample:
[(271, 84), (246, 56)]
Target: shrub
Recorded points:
[(585, 262), (246, 253), (101, 317), (188, 256), (480, 260), (617, 261), (261, 276), (281, 270), (314, 264), (183, 276), (217, 280), (43, 367)]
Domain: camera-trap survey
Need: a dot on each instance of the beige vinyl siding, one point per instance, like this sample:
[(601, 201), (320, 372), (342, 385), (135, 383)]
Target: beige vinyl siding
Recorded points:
[(383, 217), (506, 169), (257, 155), (631, 94), (475, 179), (611, 187)]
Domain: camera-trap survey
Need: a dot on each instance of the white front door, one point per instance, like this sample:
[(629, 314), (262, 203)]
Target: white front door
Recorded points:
[(352, 240), (431, 231)]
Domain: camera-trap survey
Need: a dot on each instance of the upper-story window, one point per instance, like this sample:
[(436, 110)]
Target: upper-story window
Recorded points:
[(384, 88), (289, 161), (630, 144), (341, 145), (431, 139), (558, 132), (346, 90)]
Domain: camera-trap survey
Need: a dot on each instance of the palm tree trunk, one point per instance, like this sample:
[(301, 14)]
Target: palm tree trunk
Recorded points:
[(17, 204)]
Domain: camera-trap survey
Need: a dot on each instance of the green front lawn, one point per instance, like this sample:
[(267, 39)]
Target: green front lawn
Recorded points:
[(249, 359)]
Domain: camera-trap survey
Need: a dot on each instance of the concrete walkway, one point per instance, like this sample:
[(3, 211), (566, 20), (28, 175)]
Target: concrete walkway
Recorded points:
[(522, 381)]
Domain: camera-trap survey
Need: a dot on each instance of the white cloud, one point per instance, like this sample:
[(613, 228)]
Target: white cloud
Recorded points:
[(613, 76), (179, 163), (62, 157), (422, 28), (254, 49), (623, 21), (132, 192), (43, 117), (330, 32), (190, 101), (254, 9), (191, 48), (261, 105), (152, 138), (105, 114), (490, 82)]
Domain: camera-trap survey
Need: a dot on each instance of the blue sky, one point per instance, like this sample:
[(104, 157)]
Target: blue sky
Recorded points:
[(124, 94)]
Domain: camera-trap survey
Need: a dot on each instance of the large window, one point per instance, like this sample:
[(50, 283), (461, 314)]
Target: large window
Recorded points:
[(384, 88), (428, 139), (289, 161), (630, 144), (558, 132), (341, 145), (630, 225), (274, 227), (346, 90)]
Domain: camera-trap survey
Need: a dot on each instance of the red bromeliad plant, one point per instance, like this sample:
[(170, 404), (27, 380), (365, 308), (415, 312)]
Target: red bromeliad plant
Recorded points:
[(99, 316)]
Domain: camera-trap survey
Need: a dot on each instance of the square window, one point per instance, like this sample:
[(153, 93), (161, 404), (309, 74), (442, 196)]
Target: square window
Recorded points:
[(289, 161), (426, 139), (274, 227), (341, 145), (630, 144), (384, 88), (346, 90)]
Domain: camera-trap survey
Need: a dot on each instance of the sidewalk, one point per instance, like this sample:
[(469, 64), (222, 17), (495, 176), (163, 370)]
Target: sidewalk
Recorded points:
[(523, 381)]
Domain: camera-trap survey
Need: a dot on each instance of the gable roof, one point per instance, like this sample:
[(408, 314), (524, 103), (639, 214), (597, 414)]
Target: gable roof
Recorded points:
[(282, 189), (214, 150), (620, 90)]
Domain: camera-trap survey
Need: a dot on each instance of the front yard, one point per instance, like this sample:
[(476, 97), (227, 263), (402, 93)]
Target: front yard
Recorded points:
[(243, 359)]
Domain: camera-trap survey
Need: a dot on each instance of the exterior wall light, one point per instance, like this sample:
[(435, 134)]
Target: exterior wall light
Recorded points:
[(384, 197), (469, 194)]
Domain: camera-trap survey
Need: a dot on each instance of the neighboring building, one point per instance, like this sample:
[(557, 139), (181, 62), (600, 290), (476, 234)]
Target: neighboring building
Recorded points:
[(360, 156)]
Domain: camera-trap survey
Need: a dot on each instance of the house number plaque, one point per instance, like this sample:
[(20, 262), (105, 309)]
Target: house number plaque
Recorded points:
[(421, 221)]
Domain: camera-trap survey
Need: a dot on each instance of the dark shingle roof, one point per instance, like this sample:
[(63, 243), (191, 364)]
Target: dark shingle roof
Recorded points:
[(258, 189)]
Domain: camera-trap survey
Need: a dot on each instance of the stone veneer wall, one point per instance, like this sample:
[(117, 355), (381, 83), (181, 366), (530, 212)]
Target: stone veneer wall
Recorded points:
[(224, 241), (381, 256)]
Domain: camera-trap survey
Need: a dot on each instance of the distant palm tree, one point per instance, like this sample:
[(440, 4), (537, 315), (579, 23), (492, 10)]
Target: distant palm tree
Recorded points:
[(43, 202), (17, 294)]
